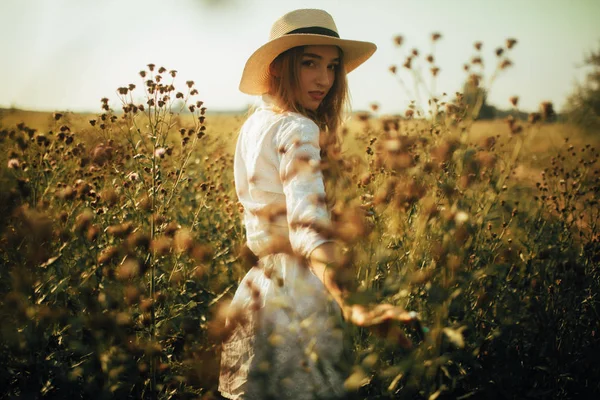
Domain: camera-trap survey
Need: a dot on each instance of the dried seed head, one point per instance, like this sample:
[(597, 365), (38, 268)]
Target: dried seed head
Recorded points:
[(505, 64), (435, 71), (189, 83), (478, 45), (151, 67), (514, 100), (510, 42), (173, 73), (499, 51), (435, 36), (143, 74), (430, 58), (393, 69), (161, 70), (398, 40)]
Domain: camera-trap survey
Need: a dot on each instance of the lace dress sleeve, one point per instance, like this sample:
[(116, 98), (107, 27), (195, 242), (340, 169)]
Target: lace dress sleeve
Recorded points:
[(302, 180)]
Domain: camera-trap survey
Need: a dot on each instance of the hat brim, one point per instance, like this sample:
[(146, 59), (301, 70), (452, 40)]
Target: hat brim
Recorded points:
[(255, 78)]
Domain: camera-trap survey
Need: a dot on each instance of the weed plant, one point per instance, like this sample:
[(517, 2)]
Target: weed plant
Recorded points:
[(121, 243)]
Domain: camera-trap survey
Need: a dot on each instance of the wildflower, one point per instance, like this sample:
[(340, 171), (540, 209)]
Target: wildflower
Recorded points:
[(161, 70), (407, 63), (130, 268), (107, 255), (393, 69), (478, 45), (415, 52), (514, 100), (92, 122), (122, 90), (435, 71), (398, 40), (194, 92), (151, 67), (430, 58), (13, 163), (477, 60), (143, 74), (436, 36), (510, 42), (505, 64), (173, 73), (179, 95), (189, 83), (499, 51)]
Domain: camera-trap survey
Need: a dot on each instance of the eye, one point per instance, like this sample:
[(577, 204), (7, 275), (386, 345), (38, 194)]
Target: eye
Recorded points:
[(308, 63), (334, 67)]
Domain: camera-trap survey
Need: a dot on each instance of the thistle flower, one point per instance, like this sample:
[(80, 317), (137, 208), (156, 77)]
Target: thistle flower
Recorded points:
[(160, 152), (505, 64), (13, 163)]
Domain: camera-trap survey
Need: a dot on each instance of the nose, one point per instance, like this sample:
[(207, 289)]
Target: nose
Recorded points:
[(324, 77)]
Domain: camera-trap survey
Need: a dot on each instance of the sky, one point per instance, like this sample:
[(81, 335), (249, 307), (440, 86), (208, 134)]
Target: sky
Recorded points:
[(68, 54)]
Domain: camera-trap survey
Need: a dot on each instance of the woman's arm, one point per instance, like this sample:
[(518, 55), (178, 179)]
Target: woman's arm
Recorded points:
[(324, 262)]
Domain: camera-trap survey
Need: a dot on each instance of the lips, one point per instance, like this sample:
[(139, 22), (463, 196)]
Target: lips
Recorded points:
[(317, 95)]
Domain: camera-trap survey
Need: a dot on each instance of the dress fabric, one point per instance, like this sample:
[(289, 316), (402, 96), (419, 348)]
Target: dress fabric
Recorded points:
[(287, 340)]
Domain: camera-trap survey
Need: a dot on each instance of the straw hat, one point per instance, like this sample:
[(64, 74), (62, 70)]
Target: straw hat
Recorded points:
[(300, 28)]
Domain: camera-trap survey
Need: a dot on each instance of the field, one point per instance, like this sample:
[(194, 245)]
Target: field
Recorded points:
[(121, 243)]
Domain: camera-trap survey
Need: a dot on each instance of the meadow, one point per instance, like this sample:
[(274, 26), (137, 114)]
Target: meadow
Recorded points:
[(121, 242)]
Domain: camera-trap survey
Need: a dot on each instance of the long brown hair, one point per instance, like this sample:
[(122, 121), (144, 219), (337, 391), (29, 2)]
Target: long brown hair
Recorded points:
[(328, 116)]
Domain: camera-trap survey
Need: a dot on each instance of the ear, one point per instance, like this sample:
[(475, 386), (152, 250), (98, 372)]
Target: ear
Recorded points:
[(275, 68)]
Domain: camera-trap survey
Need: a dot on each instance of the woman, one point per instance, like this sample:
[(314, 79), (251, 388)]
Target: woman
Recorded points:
[(286, 337)]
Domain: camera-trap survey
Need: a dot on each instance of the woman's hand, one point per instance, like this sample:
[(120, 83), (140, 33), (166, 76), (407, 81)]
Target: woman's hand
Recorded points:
[(383, 320)]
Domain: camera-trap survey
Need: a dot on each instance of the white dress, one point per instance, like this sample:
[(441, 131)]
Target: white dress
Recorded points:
[(289, 341)]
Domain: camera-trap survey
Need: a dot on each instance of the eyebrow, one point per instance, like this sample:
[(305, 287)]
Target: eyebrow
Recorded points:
[(312, 55)]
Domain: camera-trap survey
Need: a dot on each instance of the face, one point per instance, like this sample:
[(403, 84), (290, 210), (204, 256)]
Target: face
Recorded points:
[(318, 65)]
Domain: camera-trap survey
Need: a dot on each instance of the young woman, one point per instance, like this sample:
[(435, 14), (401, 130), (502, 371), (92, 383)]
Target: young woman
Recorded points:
[(287, 315)]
